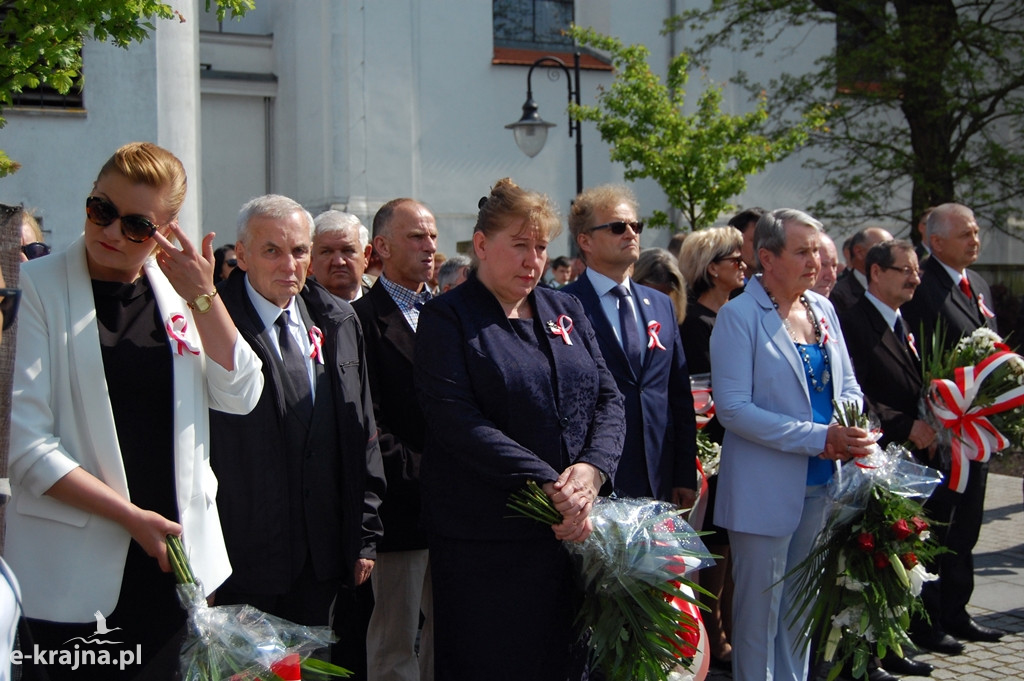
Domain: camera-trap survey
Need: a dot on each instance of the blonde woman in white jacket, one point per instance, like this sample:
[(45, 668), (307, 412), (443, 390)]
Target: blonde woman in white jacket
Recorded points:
[(123, 347)]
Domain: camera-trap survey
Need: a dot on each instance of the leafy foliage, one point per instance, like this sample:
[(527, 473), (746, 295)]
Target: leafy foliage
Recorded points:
[(701, 159), (43, 40), (928, 96)]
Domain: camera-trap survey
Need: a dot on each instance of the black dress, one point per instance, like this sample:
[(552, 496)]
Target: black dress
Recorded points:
[(139, 376), (696, 335)]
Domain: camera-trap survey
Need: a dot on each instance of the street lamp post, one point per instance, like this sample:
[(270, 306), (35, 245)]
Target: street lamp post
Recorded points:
[(531, 131)]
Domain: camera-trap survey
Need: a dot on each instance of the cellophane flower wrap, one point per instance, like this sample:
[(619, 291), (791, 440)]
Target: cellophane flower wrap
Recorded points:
[(863, 578), (241, 643), (639, 614), (974, 398)]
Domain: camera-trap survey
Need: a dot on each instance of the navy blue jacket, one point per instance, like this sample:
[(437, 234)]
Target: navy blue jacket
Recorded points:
[(501, 411), (660, 448)]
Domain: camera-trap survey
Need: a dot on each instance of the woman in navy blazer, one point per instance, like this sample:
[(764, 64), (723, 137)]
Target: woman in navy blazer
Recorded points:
[(778, 359), (513, 388)]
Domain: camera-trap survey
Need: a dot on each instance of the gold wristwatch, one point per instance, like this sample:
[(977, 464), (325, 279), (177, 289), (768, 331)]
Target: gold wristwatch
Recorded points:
[(203, 302)]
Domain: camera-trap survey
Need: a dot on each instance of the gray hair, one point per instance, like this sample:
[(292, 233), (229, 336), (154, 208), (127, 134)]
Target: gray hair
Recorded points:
[(450, 268), (939, 220), (770, 233), (269, 206), (336, 221)]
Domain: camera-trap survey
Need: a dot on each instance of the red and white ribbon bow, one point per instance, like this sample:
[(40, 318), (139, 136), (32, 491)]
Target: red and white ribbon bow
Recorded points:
[(983, 308), (316, 342), (912, 342), (653, 327), (177, 327), (974, 436), (825, 337), (562, 327)]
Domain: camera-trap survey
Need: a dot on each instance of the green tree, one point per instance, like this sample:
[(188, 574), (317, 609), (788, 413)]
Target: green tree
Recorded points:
[(43, 40), (929, 97), (701, 160)]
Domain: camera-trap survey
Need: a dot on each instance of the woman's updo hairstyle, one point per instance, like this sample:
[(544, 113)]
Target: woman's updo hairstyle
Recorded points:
[(146, 163), (509, 204)]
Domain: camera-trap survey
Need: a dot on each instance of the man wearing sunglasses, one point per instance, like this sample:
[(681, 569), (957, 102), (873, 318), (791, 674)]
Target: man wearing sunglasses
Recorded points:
[(638, 335)]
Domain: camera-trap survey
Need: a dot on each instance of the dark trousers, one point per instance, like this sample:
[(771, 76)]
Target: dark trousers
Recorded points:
[(307, 600), (946, 600)]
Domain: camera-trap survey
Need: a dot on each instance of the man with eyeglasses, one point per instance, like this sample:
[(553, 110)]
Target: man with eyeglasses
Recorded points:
[(888, 365), (639, 338), (957, 301), (851, 286)]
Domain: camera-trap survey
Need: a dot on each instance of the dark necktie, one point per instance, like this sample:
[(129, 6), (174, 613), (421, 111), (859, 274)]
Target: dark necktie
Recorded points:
[(965, 286), (294, 368), (627, 324)]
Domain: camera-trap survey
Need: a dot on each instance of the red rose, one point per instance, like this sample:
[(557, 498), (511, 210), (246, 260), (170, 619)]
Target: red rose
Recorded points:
[(901, 530), (866, 542), (919, 525), (881, 560), (909, 560)]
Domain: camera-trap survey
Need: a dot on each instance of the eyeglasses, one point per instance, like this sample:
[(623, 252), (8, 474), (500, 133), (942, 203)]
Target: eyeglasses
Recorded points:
[(231, 263), (618, 228), (36, 249), (736, 260), (9, 305), (134, 227), (907, 271)]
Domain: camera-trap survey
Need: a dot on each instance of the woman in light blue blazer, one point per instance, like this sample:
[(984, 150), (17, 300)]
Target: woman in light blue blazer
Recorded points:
[(778, 359)]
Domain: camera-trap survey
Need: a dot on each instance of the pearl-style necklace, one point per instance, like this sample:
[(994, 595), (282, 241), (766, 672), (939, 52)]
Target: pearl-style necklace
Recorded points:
[(826, 375)]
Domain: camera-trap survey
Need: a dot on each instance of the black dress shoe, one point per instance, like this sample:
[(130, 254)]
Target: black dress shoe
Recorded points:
[(906, 666), (938, 642), (881, 674), (972, 631)]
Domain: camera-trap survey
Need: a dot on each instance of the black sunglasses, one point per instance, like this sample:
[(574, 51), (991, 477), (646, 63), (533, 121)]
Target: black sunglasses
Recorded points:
[(618, 228), (9, 305), (231, 262), (102, 212), (36, 249)]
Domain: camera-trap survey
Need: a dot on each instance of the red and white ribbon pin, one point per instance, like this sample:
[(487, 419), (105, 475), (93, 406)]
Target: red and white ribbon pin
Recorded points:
[(653, 327), (177, 326), (984, 308), (562, 328), (316, 340)]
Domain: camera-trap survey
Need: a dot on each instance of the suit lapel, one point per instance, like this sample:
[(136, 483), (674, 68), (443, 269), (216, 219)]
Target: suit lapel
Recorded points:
[(771, 322), (393, 326)]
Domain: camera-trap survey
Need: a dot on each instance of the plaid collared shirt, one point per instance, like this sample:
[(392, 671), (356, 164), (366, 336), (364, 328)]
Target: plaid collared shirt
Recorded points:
[(409, 302)]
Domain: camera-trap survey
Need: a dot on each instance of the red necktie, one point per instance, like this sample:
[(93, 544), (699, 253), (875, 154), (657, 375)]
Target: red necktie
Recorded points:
[(965, 286)]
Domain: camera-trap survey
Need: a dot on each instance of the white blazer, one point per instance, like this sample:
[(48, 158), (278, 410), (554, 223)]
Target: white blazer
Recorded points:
[(762, 399), (69, 562)]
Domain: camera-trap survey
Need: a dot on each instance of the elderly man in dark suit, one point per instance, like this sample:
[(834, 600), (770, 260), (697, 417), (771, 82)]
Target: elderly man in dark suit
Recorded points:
[(888, 366), (958, 301), (850, 287), (300, 476), (405, 236), (341, 247), (637, 332)]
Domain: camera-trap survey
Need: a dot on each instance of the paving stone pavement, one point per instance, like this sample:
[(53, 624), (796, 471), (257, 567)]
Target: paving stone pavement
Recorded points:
[(998, 599)]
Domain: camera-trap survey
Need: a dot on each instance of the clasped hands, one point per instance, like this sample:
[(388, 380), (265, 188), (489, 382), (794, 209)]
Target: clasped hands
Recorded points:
[(843, 443), (573, 495)]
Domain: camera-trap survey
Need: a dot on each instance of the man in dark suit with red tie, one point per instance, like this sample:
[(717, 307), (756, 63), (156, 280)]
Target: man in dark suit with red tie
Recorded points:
[(957, 301), (888, 365), (637, 332)]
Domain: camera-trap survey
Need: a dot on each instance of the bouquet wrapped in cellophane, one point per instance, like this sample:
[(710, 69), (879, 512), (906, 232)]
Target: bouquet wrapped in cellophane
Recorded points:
[(241, 643), (863, 578), (639, 613)]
